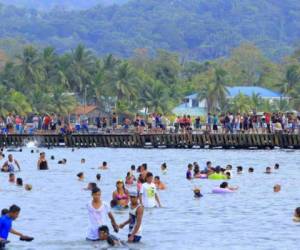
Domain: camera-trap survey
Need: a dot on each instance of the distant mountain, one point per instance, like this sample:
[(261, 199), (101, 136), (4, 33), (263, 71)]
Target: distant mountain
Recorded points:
[(67, 4), (198, 29)]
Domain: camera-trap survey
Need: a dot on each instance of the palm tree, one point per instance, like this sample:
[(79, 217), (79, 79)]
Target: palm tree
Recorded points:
[(64, 102), (19, 103), (241, 104), (126, 81), (220, 86), (30, 70), (42, 102), (213, 88), (81, 67), (206, 92), (4, 101), (282, 105), (292, 77), (255, 101), (154, 97)]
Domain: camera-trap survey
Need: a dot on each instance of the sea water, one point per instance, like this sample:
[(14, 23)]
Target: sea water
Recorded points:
[(254, 217)]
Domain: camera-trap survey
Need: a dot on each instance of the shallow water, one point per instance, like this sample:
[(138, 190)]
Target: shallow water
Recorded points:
[(254, 217)]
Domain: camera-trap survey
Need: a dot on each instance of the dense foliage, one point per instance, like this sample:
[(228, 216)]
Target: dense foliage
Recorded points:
[(43, 81), (196, 29)]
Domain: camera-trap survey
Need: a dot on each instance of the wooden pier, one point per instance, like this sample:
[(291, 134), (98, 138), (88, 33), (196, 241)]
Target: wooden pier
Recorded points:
[(226, 141)]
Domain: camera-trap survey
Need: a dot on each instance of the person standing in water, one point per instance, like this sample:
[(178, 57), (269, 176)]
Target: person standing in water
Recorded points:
[(148, 193), (98, 212), (42, 163), (11, 164), (120, 195), (135, 218), (6, 221)]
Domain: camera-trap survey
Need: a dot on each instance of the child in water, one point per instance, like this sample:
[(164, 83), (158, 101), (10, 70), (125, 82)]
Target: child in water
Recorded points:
[(106, 236), (197, 193)]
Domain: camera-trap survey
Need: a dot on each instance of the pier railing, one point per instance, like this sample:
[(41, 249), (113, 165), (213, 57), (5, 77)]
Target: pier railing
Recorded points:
[(227, 141)]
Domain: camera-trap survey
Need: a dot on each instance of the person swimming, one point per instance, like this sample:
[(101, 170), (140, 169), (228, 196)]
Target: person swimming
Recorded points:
[(28, 187), (197, 193), (63, 161), (98, 177), (239, 169), (42, 163), (130, 179), (228, 175), (120, 195), (82, 161), (250, 170), (19, 182), (189, 174), (225, 185), (91, 186), (297, 215), (277, 188), (276, 166), (228, 171), (132, 169), (12, 178), (159, 184), (164, 168), (80, 176), (104, 166), (197, 173), (217, 175), (268, 170)]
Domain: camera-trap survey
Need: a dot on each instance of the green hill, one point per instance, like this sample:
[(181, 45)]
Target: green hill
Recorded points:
[(198, 29)]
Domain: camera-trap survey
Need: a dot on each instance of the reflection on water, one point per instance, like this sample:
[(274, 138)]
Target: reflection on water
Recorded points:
[(54, 212)]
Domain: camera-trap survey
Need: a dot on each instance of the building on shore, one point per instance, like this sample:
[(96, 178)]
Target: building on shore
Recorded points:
[(192, 106)]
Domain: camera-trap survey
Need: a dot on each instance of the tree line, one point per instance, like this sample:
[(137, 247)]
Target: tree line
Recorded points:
[(44, 81)]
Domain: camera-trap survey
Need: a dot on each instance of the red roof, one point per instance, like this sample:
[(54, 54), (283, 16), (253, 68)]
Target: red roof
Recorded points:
[(83, 110)]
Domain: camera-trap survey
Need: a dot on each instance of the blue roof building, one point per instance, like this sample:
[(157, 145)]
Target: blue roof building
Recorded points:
[(249, 91), (193, 106)]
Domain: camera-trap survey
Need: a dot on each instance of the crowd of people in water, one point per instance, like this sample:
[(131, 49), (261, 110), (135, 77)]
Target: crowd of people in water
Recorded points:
[(136, 193), (153, 123)]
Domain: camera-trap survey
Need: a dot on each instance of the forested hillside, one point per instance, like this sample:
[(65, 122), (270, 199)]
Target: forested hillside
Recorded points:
[(197, 29)]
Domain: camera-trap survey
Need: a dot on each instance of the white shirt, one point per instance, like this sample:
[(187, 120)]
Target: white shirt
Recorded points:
[(148, 192), (97, 217)]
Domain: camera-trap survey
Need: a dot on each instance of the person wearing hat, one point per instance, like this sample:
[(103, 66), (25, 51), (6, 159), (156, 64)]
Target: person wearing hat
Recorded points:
[(135, 218)]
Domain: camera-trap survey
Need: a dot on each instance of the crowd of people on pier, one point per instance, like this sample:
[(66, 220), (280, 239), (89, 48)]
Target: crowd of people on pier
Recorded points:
[(153, 123), (136, 193)]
